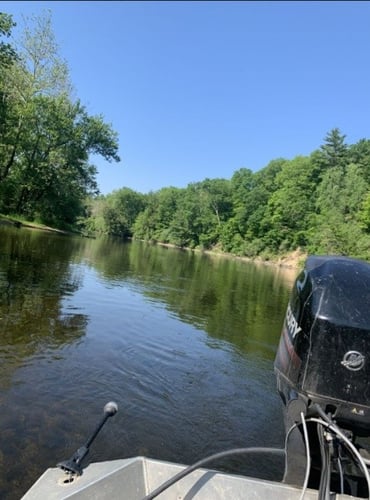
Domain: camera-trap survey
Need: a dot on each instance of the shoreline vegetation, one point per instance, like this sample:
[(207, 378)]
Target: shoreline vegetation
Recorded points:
[(317, 204), (290, 260), (12, 221)]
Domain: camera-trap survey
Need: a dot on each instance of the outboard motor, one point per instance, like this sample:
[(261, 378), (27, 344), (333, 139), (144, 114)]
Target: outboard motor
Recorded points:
[(323, 356)]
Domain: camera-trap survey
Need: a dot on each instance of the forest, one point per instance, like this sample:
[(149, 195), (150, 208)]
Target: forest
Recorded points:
[(318, 203)]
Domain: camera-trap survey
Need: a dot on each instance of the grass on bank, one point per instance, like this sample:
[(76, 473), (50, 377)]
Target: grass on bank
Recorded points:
[(18, 221)]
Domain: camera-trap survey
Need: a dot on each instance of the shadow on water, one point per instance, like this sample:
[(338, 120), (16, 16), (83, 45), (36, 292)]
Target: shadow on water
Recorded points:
[(183, 342), (35, 275)]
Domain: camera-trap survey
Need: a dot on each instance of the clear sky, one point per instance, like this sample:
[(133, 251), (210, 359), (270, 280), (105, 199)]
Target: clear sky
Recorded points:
[(200, 89)]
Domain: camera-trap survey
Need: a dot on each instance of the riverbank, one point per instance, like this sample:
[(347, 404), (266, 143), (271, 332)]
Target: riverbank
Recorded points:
[(290, 260), (11, 221)]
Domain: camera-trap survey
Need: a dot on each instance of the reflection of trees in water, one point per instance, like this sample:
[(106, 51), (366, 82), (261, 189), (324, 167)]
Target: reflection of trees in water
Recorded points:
[(231, 300), (109, 256), (35, 275)]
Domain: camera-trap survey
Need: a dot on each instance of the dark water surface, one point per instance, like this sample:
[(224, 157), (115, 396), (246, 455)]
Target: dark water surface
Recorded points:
[(183, 342)]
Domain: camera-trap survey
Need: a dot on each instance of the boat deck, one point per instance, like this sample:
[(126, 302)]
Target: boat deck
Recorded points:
[(134, 478)]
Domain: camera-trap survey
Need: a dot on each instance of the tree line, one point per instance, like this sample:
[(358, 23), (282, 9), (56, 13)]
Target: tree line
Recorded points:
[(46, 135), (319, 203)]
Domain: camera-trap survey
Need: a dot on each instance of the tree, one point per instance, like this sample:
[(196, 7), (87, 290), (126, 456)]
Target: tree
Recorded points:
[(44, 70), (334, 150), (364, 213), (46, 138), (264, 184), (359, 154), (154, 222), (162, 209), (289, 207), (51, 174), (336, 227), (241, 186), (200, 213), (184, 228), (7, 52), (120, 211), (38, 72), (8, 57), (217, 198)]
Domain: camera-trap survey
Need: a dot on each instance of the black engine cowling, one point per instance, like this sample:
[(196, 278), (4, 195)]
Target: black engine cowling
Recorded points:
[(324, 351)]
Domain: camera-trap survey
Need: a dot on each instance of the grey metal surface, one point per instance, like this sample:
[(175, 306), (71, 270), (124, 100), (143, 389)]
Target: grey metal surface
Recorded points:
[(133, 478)]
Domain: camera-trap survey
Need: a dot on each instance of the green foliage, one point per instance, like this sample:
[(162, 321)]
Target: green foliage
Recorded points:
[(120, 211), (289, 206), (230, 238), (200, 213), (115, 213), (364, 213), (8, 54), (334, 150), (153, 224), (264, 184), (336, 226), (320, 203), (45, 137), (359, 154)]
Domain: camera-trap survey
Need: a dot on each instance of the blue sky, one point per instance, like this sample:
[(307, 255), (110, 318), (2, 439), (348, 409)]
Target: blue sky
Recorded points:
[(200, 89)]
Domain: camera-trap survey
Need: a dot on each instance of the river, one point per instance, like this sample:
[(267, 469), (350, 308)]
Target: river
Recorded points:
[(184, 343)]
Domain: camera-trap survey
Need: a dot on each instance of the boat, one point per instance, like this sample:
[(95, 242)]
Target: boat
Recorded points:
[(322, 368), (135, 479)]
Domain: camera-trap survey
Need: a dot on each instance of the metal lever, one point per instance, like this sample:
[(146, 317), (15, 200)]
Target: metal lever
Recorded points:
[(73, 465)]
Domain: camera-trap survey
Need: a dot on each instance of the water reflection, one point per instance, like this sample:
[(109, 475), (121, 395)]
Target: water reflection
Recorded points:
[(184, 342), (230, 299), (35, 275)]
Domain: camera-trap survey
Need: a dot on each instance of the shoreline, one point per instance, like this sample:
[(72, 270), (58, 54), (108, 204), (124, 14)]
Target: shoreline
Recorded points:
[(292, 260), (5, 221)]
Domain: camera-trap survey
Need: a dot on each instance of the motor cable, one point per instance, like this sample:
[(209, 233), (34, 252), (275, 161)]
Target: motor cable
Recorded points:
[(205, 461), (350, 445), (341, 477), (324, 486), (308, 457)]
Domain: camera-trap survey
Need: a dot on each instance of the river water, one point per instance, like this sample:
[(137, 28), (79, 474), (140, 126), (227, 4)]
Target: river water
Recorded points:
[(183, 342)]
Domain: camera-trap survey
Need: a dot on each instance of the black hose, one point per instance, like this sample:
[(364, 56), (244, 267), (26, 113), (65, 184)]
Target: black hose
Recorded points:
[(324, 488), (205, 461), (341, 477)]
